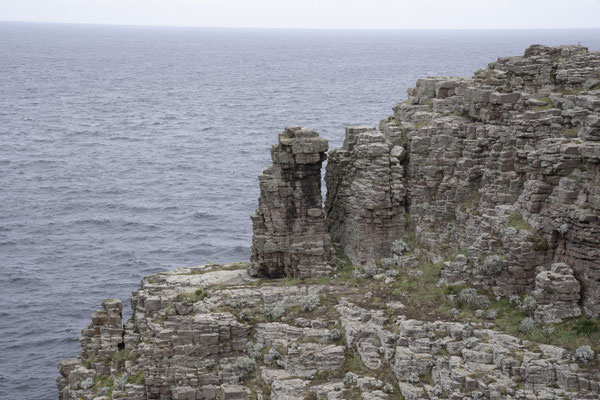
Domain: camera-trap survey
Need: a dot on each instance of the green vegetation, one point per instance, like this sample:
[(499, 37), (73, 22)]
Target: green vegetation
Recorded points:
[(571, 92), (515, 220), (549, 104), (191, 297), (124, 355), (104, 385), (420, 125), (471, 200), (568, 133), (137, 379)]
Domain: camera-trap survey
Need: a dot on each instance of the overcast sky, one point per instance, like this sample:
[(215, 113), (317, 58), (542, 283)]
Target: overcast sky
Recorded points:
[(363, 14)]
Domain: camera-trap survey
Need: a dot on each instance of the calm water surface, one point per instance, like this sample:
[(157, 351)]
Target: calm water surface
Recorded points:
[(126, 151)]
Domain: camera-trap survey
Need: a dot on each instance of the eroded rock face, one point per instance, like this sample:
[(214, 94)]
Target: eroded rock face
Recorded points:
[(365, 195), (507, 164), (290, 235), (557, 294)]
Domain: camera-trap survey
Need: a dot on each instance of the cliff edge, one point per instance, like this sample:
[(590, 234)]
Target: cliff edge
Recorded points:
[(457, 256)]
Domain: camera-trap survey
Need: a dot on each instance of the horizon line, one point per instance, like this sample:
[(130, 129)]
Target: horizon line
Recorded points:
[(135, 25)]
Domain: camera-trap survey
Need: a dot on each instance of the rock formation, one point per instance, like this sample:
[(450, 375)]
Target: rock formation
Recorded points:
[(290, 235), (557, 294), (365, 196), (473, 212), (507, 163)]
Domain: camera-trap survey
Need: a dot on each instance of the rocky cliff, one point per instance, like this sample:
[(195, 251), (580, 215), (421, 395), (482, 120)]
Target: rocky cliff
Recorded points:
[(467, 266)]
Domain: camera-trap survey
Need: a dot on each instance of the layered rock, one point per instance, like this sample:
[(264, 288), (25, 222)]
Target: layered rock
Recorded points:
[(290, 235), (212, 332), (507, 163), (365, 195), (484, 180), (557, 294)]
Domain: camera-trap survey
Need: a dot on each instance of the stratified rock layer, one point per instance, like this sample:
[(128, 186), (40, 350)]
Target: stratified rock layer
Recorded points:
[(233, 343), (507, 164), (290, 236), (365, 195), (491, 182), (557, 294)]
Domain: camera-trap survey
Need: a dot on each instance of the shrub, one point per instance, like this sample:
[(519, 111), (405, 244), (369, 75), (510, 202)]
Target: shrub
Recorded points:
[(527, 325), (387, 262), (492, 314), (471, 298), (529, 305), (584, 354), (137, 379), (273, 312), (271, 356), (210, 364), (370, 269), (87, 383), (514, 300), (192, 297), (335, 335), (492, 265), (245, 366), (350, 378), (399, 247), (121, 381), (254, 350), (309, 303)]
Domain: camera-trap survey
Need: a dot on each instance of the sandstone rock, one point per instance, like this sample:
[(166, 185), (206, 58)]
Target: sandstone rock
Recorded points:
[(557, 294), (290, 235), (365, 195)]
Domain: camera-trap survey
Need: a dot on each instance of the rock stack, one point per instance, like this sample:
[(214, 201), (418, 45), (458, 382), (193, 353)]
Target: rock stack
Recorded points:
[(290, 235)]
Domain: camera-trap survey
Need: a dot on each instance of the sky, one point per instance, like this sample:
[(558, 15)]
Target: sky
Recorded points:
[(327, 14)]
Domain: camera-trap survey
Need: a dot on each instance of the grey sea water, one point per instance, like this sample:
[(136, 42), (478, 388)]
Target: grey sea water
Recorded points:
[(127, 150)]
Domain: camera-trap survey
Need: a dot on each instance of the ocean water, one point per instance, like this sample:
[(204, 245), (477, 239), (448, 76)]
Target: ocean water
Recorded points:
[(130, 150)]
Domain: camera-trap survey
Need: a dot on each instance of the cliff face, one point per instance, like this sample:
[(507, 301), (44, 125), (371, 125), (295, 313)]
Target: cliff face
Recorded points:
[(470, 226), (504, 164)]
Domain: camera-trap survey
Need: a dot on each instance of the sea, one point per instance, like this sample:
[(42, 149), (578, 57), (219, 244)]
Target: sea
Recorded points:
[(125, 151)]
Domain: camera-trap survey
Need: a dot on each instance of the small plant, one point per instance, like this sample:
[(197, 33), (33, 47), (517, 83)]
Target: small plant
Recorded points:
[(335, 335), (529, 305), (515, 220), (273, 312), (568, 133), (514, 300), (549, 104), (137, 379), (210, 364), (309, 303), (245, 366), (254, 350), (492, 265), (585, 327), (87, 383), (584, 354), (527, 325), (492, 314), (399, 247), (471, 298), (192, 297), (121, 381), (271, 356)]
